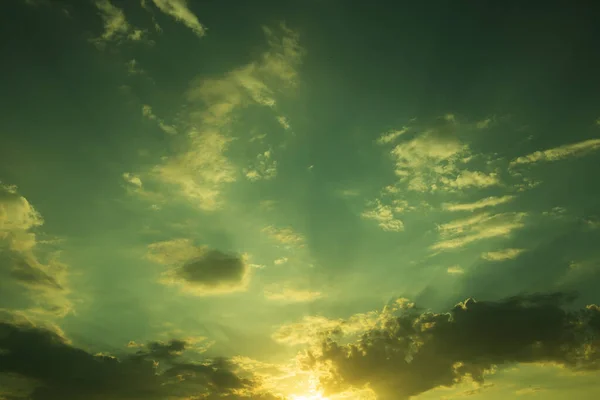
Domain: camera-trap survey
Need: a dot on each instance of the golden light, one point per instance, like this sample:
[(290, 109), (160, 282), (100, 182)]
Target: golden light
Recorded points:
[(309, 397)]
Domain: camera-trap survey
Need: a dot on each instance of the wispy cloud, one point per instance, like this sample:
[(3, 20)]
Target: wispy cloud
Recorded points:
[(501, 255), (455, 270), (149, 113), (180, 11), (116, 27), (286, 236), (479, 204), (558, 153), (203, 169), (289, 295), (462, 232)]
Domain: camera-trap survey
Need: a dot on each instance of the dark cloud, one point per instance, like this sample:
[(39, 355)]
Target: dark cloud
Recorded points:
[(63, 372), (213, 268), (414, 352)]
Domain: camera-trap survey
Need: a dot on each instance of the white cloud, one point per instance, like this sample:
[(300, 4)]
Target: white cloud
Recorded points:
[(501, 255), (459, 233), (491, 201), (558, 153), (179, 10), (384, 216)]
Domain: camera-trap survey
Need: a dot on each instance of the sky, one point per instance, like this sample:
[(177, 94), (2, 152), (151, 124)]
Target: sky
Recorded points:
[(299, 200)]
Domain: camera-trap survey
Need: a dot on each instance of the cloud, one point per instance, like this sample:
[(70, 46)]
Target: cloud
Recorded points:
[(312, 329), (264, 169), (280, 261), (179, 10), (285, 236), (414, 352), (148, 113), (200, 270), (501, 255), (289, 295), (283, 121), (462, 232), (455, 270), (58, 370), (384, 216), (24, 258), (559, 153), (491, 201), (116, 27), (390, 136), (467, 179), (203, 168)]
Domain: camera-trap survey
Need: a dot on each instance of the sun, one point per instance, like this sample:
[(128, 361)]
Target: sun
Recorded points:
[(317, 396)]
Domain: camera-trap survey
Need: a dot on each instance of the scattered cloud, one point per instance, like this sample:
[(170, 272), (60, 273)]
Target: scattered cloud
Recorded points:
[(414, 352), (281, 261), (462, 232), (384, 216), (203, 168), (116, 27), (179, 10), (148, 113), (264, 169), (559, 153), (467, 179), (200, 270), (501, 255), (285, 236)]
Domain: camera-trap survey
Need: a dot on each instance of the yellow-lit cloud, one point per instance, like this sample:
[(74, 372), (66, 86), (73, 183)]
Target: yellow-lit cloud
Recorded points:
[(558, 153)]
